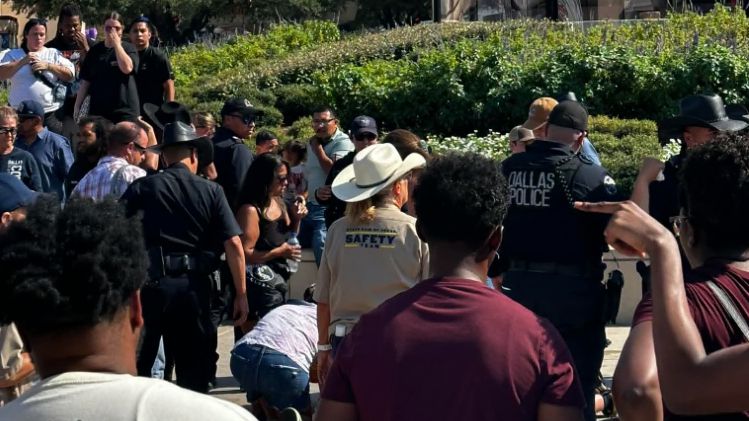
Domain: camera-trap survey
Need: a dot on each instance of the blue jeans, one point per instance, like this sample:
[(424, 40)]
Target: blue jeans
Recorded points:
[(157, 371), (267, 373), (312, 230)]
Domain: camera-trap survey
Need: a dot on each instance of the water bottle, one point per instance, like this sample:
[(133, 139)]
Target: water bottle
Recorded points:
[(293, 263)]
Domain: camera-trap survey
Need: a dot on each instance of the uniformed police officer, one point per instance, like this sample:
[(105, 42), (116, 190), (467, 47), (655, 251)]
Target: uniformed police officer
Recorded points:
[(551, 253), (231, 156), (187, 223)]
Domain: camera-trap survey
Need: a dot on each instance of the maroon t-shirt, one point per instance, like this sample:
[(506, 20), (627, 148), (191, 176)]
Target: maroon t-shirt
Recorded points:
[(452, 349), (716, 327)]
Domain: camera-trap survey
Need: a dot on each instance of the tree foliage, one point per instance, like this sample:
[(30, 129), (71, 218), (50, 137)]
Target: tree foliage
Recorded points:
[(181, 21)]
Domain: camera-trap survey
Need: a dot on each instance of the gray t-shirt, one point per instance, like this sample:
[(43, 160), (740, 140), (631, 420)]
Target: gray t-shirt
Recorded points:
[(338, 147)]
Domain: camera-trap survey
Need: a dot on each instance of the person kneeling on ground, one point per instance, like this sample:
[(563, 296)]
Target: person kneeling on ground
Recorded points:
[(80, 314), (272, 362), (433, 352)]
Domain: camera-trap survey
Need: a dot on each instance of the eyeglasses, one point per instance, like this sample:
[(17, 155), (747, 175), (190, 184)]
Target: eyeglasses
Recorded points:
[(368, 137), (322, 122), (8, 130), (108, 28), (677, 222)]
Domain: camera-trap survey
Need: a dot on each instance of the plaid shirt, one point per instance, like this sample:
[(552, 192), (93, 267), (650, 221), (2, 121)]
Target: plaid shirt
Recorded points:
[(105, 180)]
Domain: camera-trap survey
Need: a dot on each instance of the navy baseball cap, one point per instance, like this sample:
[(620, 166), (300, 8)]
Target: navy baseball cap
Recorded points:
[(569, 114), (14, 194), (363, 124), (30, 108)]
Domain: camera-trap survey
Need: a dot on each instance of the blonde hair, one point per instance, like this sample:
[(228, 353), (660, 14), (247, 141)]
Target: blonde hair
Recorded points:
[(8, 112), (203, 119), (363, 211)]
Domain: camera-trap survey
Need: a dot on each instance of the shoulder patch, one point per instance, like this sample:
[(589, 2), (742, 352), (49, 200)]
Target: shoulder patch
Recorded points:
[(609, 184)]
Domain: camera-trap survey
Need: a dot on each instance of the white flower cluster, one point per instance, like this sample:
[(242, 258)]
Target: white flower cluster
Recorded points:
[(493, 145)]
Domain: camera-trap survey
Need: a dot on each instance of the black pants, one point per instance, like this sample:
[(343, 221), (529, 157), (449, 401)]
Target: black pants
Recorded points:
[(179, 310), (575, 307), (53, 122)]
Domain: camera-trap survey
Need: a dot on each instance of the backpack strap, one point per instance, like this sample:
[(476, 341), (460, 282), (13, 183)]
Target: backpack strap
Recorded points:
[(730, 308)]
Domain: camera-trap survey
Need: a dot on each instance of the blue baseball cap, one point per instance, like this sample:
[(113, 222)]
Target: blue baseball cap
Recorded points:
[(14, 194), (30, 108)]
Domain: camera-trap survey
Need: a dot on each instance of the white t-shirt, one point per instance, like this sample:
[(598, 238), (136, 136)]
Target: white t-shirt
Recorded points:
[(25, 86), (84, 396)]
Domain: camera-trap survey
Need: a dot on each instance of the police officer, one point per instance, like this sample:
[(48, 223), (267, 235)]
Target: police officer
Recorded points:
[(231, 156), (187, 223), (551, 253)]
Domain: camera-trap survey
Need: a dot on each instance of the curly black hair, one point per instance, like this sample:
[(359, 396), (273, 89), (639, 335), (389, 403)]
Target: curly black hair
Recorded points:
[(461, 197), (715, 191), (69, 268)]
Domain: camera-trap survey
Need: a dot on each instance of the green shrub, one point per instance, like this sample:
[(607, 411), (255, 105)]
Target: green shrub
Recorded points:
[(301, 129), (296, 100)]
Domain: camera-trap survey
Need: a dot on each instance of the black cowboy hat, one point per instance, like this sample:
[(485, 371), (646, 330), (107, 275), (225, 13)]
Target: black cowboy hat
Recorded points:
[(179, 133), (169, 112), (700, 111)]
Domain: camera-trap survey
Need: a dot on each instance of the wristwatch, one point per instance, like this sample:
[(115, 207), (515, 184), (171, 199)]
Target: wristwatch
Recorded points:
[(324, 347)]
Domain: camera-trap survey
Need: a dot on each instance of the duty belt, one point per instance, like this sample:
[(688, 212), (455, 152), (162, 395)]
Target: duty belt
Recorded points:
[(583, 270)]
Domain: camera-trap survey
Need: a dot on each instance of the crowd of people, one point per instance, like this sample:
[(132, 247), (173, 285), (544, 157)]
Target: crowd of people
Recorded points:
[(448, 286)]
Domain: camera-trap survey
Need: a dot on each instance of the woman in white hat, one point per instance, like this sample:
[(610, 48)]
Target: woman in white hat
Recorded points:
[(374, 252)]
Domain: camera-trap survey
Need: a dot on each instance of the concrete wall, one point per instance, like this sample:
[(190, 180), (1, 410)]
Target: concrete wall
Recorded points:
[(6, 9), (631, 293)]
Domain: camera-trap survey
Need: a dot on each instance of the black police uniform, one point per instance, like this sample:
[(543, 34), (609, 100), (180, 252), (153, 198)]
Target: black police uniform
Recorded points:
[(232, 159), (551, 253), (186, 221)]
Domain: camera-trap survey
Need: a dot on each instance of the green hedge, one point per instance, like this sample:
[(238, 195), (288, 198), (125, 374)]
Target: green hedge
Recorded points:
[(455, 78)]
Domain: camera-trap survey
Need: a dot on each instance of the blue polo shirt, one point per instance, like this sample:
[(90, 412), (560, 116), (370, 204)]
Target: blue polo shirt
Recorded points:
[(54, 156)]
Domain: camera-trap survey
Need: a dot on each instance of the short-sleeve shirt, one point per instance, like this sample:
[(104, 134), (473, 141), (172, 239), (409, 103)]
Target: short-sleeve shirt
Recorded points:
[(24, 85), (181, 211), (79, 395), (543, 182), (111, 177), (232, 159), (364, 264), (54, 158), (452, 349), (716, 327), (338, 146), (23, 166), (153, 70), (114, 95)]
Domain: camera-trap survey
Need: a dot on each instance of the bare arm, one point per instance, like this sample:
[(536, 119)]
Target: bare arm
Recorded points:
[(7, 70), (235, 261), (648, 173), (169, 90), (336, 411), (82, 92), (325, 162), (249, 223), (549, 412), (691, 382), (636, 390), (152, 159)]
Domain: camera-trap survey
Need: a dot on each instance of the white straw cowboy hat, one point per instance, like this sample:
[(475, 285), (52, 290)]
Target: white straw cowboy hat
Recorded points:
[(373, 169)]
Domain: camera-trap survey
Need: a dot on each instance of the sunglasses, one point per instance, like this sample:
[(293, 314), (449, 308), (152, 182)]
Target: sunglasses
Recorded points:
[(7, 130), (365, 137), (247, 120)]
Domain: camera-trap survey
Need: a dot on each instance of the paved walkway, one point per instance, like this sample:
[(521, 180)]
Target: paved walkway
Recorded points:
[(228, 389)]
